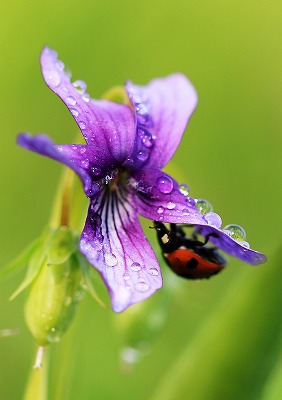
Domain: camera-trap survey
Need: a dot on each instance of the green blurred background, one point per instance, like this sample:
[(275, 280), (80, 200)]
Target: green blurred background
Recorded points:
[(222, 337)]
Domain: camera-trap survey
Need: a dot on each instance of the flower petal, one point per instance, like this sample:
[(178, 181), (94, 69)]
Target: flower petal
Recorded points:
[(162, 109), (159, 198), (89, 162), (222, 240), (114, 243), (103, 123)]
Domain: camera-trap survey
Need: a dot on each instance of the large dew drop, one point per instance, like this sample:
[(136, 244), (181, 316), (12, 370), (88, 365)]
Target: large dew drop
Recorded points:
[(142, 155), (53, 78), (160, 210), (110, 259), (170, 205), (153, 271), (146, 137), (184, 189), (135, 267), (236, 232), (142, 286), (54, 335), (82, 124), (165, 184), (71, 100), (204, 206), (213, 219), (80, 86)]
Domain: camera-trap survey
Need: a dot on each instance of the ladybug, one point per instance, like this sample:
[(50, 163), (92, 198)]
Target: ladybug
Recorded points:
[(188, 257)]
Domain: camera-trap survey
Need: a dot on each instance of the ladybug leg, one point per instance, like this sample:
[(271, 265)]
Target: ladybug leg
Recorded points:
[(177, 230), (197, 242), (207, 238)]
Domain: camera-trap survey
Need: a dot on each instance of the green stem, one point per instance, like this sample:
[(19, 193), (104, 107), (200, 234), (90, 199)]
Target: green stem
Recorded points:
[(37, 385), (62, 205)]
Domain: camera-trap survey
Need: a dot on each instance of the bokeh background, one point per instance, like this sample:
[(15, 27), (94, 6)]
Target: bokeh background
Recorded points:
[(220, 338)]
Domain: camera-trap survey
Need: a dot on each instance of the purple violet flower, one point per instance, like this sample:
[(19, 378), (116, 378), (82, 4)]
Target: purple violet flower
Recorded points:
[(120, 169)]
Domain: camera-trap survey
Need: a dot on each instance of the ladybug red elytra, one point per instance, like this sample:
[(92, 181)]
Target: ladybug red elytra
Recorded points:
[(188, 257)]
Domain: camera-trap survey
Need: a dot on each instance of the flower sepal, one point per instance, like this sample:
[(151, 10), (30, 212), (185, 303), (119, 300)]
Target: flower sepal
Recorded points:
[(56, 277), (53, 298)]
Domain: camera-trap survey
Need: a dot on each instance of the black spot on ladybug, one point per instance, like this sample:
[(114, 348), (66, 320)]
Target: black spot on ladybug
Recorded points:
[(192, 264)]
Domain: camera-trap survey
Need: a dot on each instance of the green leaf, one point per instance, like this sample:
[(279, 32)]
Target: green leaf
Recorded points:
[(19, 262), (36, 261), (273, 387), (232, 353), (35, 264)]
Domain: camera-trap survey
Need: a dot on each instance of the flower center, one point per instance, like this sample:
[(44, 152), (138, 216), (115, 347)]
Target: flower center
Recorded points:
[(119, 177)]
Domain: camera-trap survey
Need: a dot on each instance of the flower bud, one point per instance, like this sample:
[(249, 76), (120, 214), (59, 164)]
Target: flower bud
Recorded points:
[(56, 290)]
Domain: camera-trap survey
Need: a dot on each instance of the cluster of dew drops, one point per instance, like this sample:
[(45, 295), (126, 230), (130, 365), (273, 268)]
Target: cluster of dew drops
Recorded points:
[(236, 232), (53, 78), (144, 125)]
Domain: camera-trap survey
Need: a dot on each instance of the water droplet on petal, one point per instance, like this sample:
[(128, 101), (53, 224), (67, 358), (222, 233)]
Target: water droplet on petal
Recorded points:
[(130, 160), (153, 271), (165, 184), (60, 65), (245, 244), (86, 97), (184, 189), (142, 155), (204, 206), (160, 210), (213, 219), (85, 162), (97, 243), (82, 124), (141, 109), (126, 277), (137, 97), (95, 188), (186, 211), (74, 112), (135, 267), (142, 286), (80, 86), (191, 201), (71, 100), (110, 259), (52, 77), (236, 232), (67, 70), (96, 171), (142, 112), (170, 205), (146, 137)]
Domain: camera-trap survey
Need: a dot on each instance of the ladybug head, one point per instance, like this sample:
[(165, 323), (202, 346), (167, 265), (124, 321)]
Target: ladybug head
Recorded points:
[(167, 239)]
